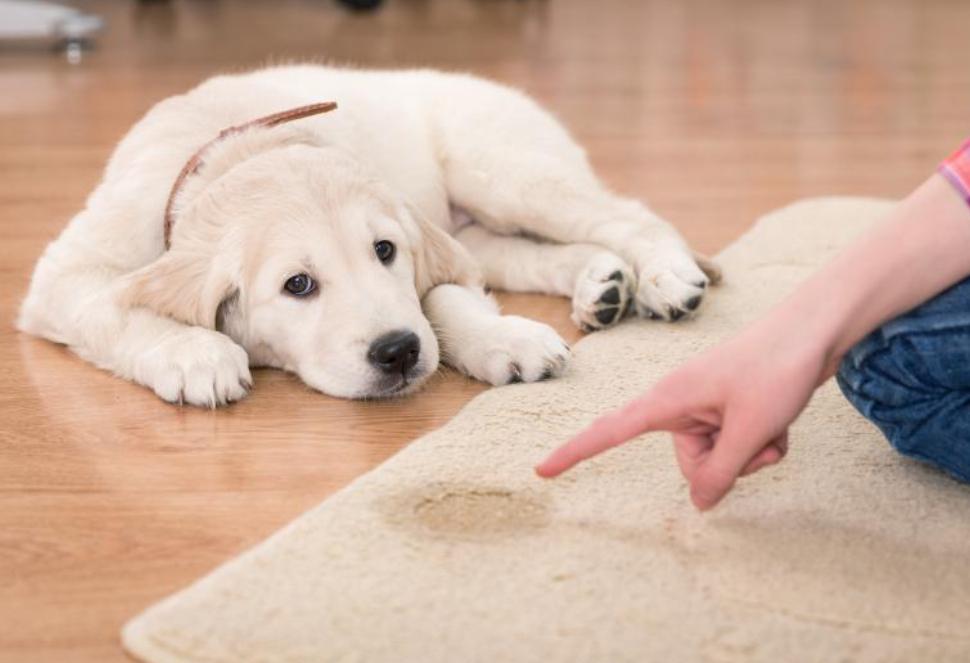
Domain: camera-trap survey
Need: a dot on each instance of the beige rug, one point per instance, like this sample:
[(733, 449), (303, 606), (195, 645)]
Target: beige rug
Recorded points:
[(453, 551)]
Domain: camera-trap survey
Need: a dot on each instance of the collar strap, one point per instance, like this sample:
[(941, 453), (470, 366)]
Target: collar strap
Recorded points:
[(193, 164)]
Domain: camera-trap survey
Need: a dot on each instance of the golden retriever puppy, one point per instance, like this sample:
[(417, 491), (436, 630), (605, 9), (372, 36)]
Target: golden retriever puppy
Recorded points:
[(245, 224)]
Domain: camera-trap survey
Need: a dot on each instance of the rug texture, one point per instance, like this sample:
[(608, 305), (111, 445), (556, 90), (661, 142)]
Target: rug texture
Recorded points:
[(454, 551)]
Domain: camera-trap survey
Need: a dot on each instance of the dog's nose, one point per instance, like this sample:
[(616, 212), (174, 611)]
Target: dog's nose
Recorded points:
[(395, 352)]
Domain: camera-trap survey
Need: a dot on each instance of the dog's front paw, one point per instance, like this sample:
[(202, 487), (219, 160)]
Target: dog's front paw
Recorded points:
[(603, 292), (670, 284), (195, 366), (515, 349)]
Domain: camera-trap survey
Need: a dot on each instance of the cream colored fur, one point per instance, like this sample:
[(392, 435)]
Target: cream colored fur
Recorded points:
[(463, 176)]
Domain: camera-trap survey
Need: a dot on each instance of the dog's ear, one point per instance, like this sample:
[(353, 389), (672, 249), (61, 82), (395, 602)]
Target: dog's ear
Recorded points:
[(438, 257), (183, 285), (193, 278), (189, 283)]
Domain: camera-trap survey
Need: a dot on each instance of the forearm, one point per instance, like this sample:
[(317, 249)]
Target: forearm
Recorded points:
[(922, 248)]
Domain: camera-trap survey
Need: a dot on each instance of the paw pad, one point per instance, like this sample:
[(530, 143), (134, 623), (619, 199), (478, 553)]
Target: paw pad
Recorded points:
[(606, 316), (604, 291), (611, 296)]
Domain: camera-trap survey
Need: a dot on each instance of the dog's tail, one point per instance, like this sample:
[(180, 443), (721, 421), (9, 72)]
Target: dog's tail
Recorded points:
[(710, 268)]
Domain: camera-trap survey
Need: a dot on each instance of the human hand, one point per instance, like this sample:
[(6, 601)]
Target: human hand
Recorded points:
[(729, 410)]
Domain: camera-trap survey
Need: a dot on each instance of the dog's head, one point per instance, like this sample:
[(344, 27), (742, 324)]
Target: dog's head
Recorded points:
[(291, 249)]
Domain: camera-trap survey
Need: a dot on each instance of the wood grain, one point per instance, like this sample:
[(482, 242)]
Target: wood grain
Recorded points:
[(714, 112)]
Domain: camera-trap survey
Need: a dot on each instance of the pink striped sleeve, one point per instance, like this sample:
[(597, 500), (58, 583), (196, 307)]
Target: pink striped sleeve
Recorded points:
[(957, 169)]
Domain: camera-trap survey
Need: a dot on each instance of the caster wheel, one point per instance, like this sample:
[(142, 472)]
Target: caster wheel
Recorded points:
[(362, 5)]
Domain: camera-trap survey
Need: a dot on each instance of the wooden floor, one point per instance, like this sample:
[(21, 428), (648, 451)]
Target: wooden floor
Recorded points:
[(714, 112)]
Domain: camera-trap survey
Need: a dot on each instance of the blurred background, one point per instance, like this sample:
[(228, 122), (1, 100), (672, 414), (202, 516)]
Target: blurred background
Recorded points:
[(713, 111)]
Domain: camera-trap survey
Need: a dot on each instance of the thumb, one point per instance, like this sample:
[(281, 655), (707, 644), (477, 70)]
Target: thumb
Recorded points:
[(738, 442)]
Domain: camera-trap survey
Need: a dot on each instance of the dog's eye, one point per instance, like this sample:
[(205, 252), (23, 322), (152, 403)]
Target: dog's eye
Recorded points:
[(384, 250), (300, 285)]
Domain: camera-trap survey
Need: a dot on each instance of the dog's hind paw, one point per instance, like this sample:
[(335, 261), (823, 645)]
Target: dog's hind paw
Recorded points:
[(603, 292), (195, 366), (670, 286)]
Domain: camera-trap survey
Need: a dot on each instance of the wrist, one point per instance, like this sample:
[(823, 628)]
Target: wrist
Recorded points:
[(801, 330)]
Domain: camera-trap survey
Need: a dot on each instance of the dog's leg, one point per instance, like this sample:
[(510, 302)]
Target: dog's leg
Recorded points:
[(599, 282), (544, 197), (77, 305), (515, 170), (477, 340)]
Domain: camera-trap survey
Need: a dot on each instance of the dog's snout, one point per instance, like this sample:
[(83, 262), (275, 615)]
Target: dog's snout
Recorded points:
[(395, 352)]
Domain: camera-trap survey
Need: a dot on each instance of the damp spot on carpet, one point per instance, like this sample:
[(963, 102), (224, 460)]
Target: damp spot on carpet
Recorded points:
[(468, 511)]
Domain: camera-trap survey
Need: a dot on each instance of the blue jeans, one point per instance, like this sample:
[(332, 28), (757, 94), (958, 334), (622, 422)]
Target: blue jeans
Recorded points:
[(911, 378)]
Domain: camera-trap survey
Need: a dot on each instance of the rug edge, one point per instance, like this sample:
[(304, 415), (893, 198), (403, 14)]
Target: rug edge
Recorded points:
[(136, 634)]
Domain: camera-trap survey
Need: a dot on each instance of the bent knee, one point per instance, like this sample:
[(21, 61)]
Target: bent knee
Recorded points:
[(918, 417)]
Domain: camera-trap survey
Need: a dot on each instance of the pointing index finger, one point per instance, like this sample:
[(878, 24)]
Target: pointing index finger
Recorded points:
[(638, 416)]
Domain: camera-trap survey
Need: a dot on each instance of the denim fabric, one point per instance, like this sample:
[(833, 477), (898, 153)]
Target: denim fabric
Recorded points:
[(911, 377)]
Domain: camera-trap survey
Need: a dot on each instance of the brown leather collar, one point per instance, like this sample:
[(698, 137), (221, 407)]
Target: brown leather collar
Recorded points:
[(193, 164)]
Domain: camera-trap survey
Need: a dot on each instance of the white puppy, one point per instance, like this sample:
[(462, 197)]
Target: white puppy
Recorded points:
[(349, 246)]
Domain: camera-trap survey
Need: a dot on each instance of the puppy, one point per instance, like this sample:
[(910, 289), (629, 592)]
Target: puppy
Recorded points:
[(245, 224)]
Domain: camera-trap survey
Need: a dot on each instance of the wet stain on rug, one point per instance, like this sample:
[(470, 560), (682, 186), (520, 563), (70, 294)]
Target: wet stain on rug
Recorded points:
[(467, 511)]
